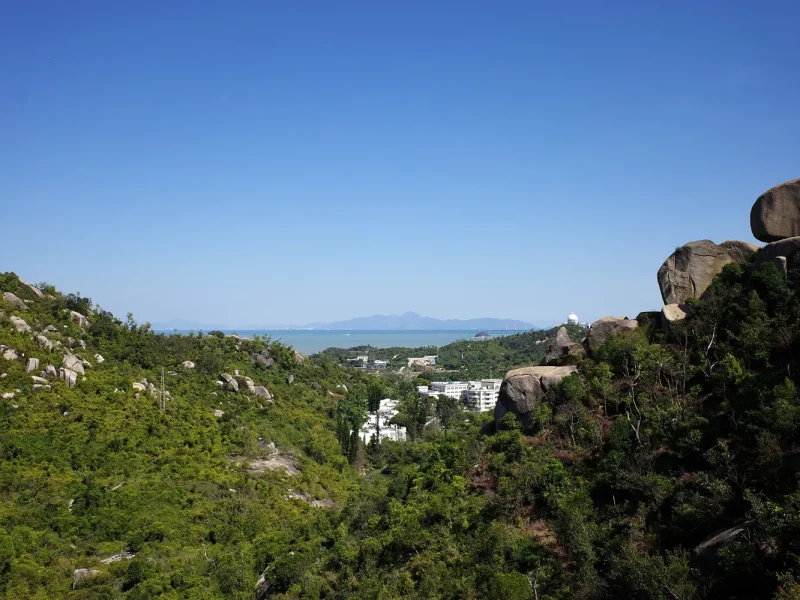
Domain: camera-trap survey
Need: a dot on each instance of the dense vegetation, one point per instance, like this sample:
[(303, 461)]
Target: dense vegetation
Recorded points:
[(663, 440)]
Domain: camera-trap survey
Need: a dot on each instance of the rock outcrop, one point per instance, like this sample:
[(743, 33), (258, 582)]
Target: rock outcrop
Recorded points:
[(15, 300), (265, 360), (33, 289), (689, 270), (778, 252), (19, 324), (671, 313), (564, 350), (69, 376), (229, 382), (78, 318), (44, 342), (776, 213), (246, 384), (81, 574), (602, 330), (33, 364), (263, 392), (522, 389), (73, 362), (187, 364)]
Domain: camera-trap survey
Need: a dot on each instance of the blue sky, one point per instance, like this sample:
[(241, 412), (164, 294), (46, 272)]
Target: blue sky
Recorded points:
[(266, 162)]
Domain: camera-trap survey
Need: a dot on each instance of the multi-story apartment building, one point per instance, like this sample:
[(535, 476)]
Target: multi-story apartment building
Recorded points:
[(478, 396)]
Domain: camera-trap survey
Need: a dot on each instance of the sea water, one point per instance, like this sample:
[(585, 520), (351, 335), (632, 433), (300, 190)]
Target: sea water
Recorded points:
[(312, 341)]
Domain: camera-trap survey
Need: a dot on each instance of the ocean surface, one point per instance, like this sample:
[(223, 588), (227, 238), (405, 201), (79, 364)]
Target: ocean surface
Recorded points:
[(310, 342)]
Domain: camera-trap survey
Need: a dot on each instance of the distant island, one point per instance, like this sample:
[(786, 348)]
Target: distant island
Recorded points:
[(409, 321)]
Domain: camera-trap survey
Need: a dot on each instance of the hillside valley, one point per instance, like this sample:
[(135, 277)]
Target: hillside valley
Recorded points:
[(646, 458)]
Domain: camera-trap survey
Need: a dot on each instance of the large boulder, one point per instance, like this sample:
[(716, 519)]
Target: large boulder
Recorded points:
[(19, 324), (246, 384), (15, 300), (187, 364), (776, 213), (69, 376), (32, 288), (672, 313), (33, 364), (80, 574), (739, 250), (689, 270), (229, 382), (78, 318), (73, 362), (264, 360), (263, 392), (602, 330), (564, 350), (522, 389), (44, 342), (778, 252)]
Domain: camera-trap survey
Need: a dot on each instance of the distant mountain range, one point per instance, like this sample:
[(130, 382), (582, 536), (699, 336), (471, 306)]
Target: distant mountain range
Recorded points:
[(414, 321), (407, 321)]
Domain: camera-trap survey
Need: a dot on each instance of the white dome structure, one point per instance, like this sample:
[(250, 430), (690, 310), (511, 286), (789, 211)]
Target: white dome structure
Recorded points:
[(572, 319)]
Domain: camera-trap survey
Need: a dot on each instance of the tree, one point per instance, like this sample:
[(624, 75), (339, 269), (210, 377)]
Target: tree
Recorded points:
[(448, 411)]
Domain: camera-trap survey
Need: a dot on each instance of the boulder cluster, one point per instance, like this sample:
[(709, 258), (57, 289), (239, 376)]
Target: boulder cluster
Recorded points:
[(686, 273)]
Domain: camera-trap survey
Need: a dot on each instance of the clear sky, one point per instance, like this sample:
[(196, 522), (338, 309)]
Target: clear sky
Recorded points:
[(265, 162)]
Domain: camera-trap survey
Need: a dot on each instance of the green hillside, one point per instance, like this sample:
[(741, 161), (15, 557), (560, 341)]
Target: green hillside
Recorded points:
[(666, 467)]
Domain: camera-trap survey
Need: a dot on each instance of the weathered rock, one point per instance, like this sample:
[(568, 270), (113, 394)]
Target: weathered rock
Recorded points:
[(39, 387), (776, 251), (649, 317), (32, 288), (246, 384), (672, 313), (315, 385), (69, 376), (44, 342), (81, 574), (19, 324), (78, 318), (739, 251), (260, 390), (564, 350), (37, 379), (522, 389), (8, 395), (33, 364), (218, 413), (138, 386), (264, 361), (776, 213), (298, 358), (10, 354), (290, 379), (99, 358), (49, 329), (50, 371), (602, 330), (73, 362), (712, 543), (230, 382), (689, 270), (15, 300), (187, 364)]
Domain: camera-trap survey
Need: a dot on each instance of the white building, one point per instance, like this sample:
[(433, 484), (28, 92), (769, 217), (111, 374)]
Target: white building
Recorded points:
[(379, 421), (481, 396), (572, 319), (454, 389), (381, 364), (478, 396)]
